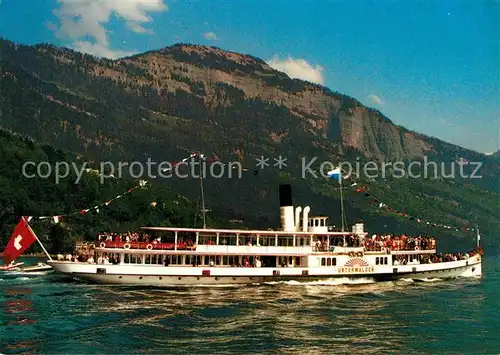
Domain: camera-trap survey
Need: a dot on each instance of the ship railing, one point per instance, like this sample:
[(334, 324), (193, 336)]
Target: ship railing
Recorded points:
[(145, 245), (383, 248), (336, 249), (253, 249)]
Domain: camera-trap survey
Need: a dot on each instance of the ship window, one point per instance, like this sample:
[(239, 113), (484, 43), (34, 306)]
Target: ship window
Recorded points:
[(376, 260), (227, 239), (224, 260), (286, 241), (207, 261), (328, 262), (385, 260), (323, 262), (207, 239), (334, 261), (267, 241)]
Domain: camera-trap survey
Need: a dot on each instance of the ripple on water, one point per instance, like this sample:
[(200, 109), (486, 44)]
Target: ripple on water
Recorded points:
[(54, 316)]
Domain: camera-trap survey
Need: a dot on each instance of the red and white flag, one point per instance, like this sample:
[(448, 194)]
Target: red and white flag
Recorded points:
[(20, 240)]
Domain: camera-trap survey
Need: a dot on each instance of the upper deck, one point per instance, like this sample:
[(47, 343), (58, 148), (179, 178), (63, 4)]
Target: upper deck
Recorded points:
[(259, 242)]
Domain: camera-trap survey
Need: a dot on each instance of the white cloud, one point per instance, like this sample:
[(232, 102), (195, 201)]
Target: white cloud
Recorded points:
[(133, 26), (211, 36), (99, 50), (298, 68), (84, 21), (376, 100)]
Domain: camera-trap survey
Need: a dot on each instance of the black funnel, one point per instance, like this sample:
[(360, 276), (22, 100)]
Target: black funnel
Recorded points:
[(285, 195)]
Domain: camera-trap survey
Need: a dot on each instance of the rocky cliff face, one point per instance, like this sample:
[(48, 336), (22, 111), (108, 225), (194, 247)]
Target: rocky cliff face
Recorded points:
[(215, 79)]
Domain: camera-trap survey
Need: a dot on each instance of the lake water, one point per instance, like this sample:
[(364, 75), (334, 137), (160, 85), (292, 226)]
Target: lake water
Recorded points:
[(51, 315)]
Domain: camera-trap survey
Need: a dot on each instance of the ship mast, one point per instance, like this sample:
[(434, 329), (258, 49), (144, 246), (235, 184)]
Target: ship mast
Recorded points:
[(342, 215), (203, 211)]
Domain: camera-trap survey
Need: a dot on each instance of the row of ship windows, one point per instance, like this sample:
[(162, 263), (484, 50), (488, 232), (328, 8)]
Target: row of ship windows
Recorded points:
[(381, 260), (328, 261), (333, 261), (197, 278)]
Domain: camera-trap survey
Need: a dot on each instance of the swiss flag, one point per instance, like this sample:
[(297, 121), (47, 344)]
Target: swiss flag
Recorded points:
[(20, 240)]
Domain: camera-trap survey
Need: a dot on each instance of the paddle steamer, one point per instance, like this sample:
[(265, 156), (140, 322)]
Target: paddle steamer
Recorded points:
[(304, 249)]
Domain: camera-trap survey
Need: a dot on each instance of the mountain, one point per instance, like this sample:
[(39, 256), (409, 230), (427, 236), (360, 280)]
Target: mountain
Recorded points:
[(167, 103)]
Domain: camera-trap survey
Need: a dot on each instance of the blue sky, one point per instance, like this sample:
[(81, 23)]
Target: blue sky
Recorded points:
[(430, 66)]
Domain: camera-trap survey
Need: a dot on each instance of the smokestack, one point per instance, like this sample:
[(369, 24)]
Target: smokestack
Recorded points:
[(298, 210), (305, 216), (286, 208), (286, 195)]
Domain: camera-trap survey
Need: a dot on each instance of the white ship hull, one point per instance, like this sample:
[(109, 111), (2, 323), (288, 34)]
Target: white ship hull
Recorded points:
[(157, 275)]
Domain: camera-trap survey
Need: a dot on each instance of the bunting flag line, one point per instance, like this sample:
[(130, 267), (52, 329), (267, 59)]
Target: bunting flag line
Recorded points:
[(141, 184), (375, 201)]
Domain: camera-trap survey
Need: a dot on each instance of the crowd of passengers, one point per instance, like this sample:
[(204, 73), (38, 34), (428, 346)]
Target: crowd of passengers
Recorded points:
[(246, 262), (432, 259), (374, 243), (87, 257), (402, 242), (127, 237), (135, 237), (379, 243)]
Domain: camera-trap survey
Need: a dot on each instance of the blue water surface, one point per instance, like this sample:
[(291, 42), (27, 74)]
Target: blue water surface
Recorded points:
[(54, 315)]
